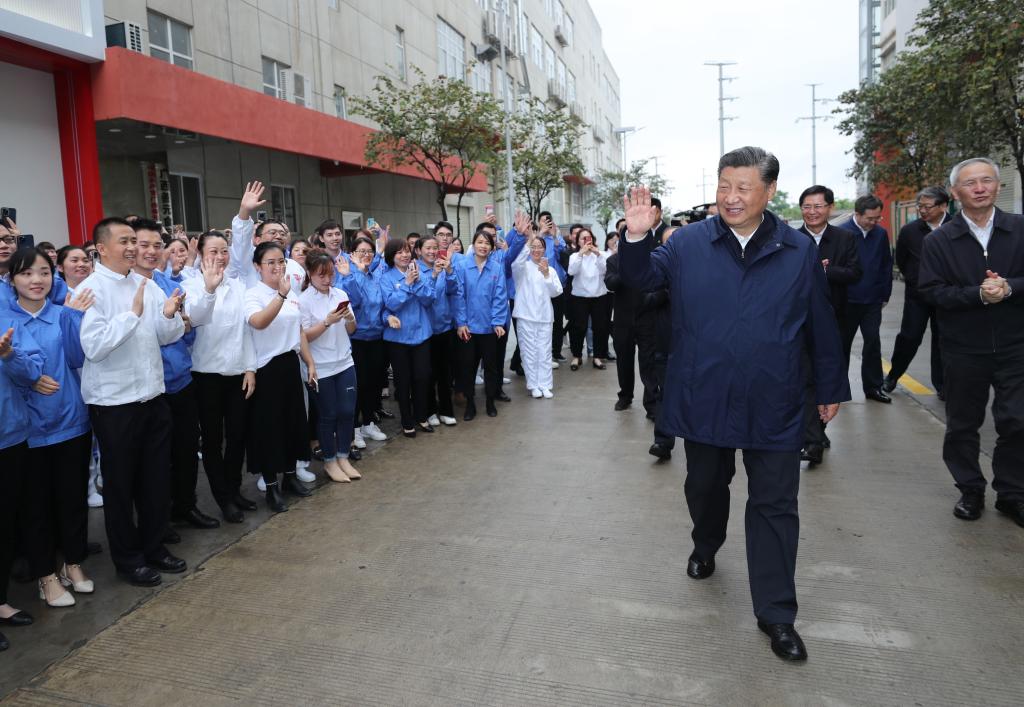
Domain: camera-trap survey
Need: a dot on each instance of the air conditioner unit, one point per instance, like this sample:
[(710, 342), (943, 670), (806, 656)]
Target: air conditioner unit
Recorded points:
[(352, 220), (127, 35), (561, 36)]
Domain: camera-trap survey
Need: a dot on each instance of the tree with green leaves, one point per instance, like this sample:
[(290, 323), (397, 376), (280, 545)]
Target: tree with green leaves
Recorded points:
[(611, 185), (781, 206), (545, 150), (443, 128)]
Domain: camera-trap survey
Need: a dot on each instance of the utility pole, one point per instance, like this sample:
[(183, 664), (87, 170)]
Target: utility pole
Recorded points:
[(704, 185), (510, 109), (814, 118), (722, 98)]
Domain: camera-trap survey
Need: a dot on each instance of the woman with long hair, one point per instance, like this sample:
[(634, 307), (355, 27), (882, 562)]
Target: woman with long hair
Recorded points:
[(74, 265), (588, 303)]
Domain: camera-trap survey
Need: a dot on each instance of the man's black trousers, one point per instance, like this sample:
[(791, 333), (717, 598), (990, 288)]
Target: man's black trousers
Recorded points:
[(916, 317), (867, 318)]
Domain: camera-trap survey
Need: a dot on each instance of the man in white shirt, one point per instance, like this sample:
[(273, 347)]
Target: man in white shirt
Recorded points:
[(246, 235), (123, 384)]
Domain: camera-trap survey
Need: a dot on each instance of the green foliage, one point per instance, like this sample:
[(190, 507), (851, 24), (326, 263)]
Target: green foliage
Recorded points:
[(610, 186), (781, 206)]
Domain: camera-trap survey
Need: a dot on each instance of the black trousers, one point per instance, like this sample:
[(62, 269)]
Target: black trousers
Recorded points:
[(558, 326), (370, 369), (968, 378), (597, 312), (278, 433), (814, 428), (772, 523), (442, 359), (516, 363), (14, 473), (502, 348), (659, 367), (184, 448), (223, 414), (633, 342), (135, 445), (916, 317), (411, 365), (480, 347), (867, 318)]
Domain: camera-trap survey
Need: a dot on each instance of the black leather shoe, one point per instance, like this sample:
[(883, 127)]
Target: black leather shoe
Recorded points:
[(813, 453), (697, 568), (167, 563), (141, 576), (4, 643), (491, 410), (171, 537), (425, 427), (354, 454), (621, 405), (18, 618), (660, 451), (940, 395), (651, 415), (970, 506), (558, 357), (827, 444), (470, 411), (275, 501), (318, 454), (231, 513), (384, 414), (197, 519), (889, 384), (295, 487), (93, 548), (411, 434), (503, 397), (877, 396), (244, 503), (518, 370), (1014, 509), (786, 642)]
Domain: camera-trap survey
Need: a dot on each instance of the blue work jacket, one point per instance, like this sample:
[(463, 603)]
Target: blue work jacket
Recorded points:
[(177, 356), (22, 367), (739, 330), (410, 304), (875, 255), (446, 290), (55, 330), (363, 290), (58, 293), (482, 303)]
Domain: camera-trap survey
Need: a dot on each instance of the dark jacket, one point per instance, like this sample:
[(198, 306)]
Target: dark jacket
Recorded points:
[(875, 254), (630, 302), (908, 251), (839, 248), (740, 325), (953, 267)]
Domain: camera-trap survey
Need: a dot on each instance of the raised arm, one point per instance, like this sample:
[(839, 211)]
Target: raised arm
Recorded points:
[(639, 266)]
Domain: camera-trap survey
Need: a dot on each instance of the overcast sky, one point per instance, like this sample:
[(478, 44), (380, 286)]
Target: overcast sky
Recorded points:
[(658, 48)]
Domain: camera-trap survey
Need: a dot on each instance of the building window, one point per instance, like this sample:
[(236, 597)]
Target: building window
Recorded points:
[(299, 89), (451, 51), (569, 26), (522, 34), (282, 205), (570, 86), (332, 4), (187, 202), (549, 8), (170, 41), (400, 52), (274, 79), (560, 75), (536, 46), (481, 76), (559, 12), (549, 60), (340, 102)]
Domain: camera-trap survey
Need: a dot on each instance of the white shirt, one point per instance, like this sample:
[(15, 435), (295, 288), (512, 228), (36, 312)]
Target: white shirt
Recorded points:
[(223, 344), (982, 233), (282, 334), (533, 290), (242, 249), (816, 236), (588, 274), (122, 351), (743, 240), (332, 350)]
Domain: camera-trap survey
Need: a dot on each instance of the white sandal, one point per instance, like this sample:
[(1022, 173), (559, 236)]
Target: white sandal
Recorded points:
[(86, 586), (65, 598)]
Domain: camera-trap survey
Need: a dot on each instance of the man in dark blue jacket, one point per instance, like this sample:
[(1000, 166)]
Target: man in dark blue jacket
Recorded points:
[(865, 298), (748, 297)]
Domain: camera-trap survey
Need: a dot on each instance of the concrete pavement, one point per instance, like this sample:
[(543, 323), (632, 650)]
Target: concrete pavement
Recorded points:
[(539, 559)]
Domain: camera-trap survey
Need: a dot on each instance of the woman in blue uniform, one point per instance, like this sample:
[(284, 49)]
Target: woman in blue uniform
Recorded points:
[(433, 263)]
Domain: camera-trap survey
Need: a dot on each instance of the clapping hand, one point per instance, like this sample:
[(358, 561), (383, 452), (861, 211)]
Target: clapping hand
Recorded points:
[(251, 199), (640, 214), (139, 302), (213, 275), (5, 343), (82, 300), (174, 303)]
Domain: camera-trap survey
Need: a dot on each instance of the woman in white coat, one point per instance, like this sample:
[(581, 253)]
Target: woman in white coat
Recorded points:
[(536, 283)]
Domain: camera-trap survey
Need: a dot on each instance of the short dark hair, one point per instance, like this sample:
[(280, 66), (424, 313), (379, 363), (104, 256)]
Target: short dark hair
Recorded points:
[(655, 201), (24, 258), (830, 197), (608, 238), (63, 253), (393, 248), (205, 237), (940, 195), (867, 203), (580, 225), (767, 164), (444, 224), (145, 224), (101, 231), (413, 234), (328, 225), (542, 214), (263, 224), (316, 261), (482, 226), (46, 245), (361, 239), (485, 234), (257, 255)]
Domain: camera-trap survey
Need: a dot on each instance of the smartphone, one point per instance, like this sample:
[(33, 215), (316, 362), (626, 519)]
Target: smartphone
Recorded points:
[(27, 241), (371, 222), (261, 216), (442, 254), (489, 209), (342, 306), (8, 212)]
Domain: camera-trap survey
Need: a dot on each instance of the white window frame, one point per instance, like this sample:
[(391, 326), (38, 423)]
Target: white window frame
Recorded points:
[(293, 224), (570, 85), (340, 106), (569, 29), (549, 61), (177, 176), (173, 56), (400, 47), (480, 76), (451, 51), (277, 90), (537, 46), (299, 91)]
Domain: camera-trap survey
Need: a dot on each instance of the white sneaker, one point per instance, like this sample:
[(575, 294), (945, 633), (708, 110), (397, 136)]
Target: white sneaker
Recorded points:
[(385, 392), (357, 440), (547, 393), (95, 500), (299, 464), (373, 432), (554, 364), (434, 421), (505, 381), (448, 420), (536, 392), (479, 380), (304, 474), (261, 484)]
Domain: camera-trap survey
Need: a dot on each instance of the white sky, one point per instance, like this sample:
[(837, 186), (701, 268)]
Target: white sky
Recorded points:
[(658, 48)]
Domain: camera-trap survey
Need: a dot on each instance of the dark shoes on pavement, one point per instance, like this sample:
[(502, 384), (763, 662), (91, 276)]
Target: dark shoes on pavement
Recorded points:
[(293, 486), (167, 563), (660, 451), (18, 618), (889, 384), (621, 404), (877, 396), (197, 519), (786, 642), (813, 453), (697, 568), (141, 576), (275, 501), (970, 506), (231, 512), (171, 537), (1014, 509)]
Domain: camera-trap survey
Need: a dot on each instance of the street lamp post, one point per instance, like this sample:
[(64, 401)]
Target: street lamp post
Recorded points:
[(510, 109), (814, 118), (722, 98), (622, 133)]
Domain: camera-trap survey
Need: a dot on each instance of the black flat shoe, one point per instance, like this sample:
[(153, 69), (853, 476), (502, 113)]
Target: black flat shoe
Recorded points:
[(167, 563), (970, 506), (171, 537), (411, 434), (786, 642), (354, 454), (1014, 509), (827, 444), (470, 412), (877, 396), (813, 454), (598, 366), (244, 503), (141, 576), (4, 643), (18, 618), (660, 451), (889, 384), (697, 568), (621, 405), (503, 397), (197, 519), (231, 513), (491, 410), (318, 454), (426, 427), (384, 414), (293, 486), (275, 501)]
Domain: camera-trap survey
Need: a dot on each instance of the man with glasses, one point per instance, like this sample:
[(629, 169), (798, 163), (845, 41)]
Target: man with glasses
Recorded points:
[(933, 210), (865, 298), (972, 272)]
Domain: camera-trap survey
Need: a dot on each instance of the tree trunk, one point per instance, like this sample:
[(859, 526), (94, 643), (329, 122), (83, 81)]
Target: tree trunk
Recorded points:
[(458, 212), (440, 202)]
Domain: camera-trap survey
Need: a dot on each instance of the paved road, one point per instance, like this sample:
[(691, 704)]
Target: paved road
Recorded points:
[(539, 559)]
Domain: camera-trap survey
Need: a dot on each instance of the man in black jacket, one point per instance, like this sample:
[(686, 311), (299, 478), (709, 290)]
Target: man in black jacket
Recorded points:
[(837, 250), (933, 209), (972, 271)]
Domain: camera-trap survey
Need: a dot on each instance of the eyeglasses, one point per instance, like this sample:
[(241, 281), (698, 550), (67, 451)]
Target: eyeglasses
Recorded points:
[(813, 207), (10, 240), (363, 251), (273, 263), (925, 207), (273, 232)]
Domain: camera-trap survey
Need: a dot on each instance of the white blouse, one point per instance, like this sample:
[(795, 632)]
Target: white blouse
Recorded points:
[(225, 344), (282, 334), (332, 350), (588, 274)]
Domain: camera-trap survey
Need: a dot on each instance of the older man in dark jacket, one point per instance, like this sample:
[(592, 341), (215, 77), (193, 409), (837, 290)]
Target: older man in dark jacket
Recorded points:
[(748, 297), (972, 272)]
